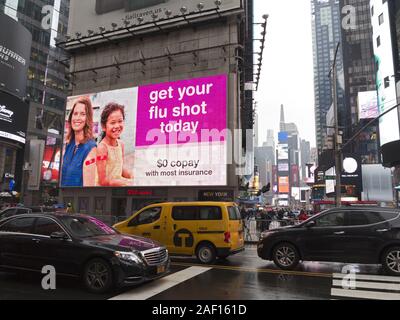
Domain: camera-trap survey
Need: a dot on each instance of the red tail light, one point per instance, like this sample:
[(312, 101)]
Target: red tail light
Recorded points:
[(227, 237)]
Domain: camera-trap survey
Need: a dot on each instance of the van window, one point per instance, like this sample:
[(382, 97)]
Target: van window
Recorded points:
[(234, 213), (148, 216), (210, 213), (184, 213)]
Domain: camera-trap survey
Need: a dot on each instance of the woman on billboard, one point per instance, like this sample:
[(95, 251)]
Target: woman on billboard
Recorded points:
[(79, 162), (111, 169)]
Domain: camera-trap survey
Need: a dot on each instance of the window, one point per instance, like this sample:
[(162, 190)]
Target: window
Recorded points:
[(184, 213), (8, 213), (45, 227), (335, 219), (148, 216), (18, 225), (210, 213), (357, 219), (99, 205), (381, 19), (387, 82), (234, 213), (378, 41)]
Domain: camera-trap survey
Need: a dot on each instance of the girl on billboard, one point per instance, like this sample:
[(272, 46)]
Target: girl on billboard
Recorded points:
[(110, 153), (79, 162)]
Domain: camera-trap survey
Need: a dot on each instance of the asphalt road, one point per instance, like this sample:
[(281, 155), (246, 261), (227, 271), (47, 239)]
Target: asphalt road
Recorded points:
[(241, 277)]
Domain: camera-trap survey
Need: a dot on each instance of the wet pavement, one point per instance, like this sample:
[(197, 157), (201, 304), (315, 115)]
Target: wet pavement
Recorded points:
[(241, 277)]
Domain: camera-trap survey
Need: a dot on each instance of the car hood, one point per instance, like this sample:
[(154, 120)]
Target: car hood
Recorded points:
[(120, 242)]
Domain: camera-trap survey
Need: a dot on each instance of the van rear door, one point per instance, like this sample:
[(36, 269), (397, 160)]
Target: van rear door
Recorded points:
[(235, 228)]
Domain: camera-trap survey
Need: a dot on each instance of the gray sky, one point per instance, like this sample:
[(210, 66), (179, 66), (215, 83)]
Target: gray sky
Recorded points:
[(287, 73)]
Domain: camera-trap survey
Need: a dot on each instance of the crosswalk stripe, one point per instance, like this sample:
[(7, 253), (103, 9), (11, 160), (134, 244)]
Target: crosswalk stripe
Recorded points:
[(368, 277), (158, 286), (371, 285), (360, 294)]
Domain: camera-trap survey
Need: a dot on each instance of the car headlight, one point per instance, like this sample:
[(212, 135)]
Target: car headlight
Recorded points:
[(131, 257)]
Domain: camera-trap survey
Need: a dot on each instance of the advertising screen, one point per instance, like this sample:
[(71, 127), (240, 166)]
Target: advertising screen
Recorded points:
[(155, 135), (283, 167), (92, 14), (385, 82), (283, 184), (13, 118), (368, 105), (15, 52), (283, 152), (51, 164)]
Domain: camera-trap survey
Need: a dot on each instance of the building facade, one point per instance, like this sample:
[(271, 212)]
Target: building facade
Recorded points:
[(46, 92), (326, 28), (180, 42)]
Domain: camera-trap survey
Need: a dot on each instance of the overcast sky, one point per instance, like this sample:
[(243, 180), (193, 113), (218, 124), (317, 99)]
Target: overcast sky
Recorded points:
[(287, 72)]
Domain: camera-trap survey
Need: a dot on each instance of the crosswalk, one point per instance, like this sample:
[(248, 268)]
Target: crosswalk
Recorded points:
[(357, 286)]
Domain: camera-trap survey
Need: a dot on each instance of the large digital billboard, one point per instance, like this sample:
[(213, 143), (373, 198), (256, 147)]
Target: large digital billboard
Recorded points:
[(13, 118), (168, 134), (93, 14), (385, 80), (15, 51)]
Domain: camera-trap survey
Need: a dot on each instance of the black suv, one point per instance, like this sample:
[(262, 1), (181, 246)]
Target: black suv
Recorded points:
[(80, 246), (347, 235)]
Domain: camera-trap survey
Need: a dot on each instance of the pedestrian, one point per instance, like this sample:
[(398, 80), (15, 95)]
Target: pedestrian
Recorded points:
[(70, 209), (303, 216)]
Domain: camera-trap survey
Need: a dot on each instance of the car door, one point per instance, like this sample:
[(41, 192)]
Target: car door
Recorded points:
[(365, 234), (147, 223), (180, 229), (59, 253), (320, 242), (16, 242)]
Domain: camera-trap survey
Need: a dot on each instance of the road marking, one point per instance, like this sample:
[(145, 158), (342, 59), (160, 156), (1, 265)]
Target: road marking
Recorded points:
[(255, 270), (373, 287), (368, 277), (360, 294), (163, 284)]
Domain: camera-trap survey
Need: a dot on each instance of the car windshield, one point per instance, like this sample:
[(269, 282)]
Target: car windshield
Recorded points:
[(87, 227)]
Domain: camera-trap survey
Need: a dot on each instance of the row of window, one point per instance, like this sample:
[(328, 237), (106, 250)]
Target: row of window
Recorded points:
[(43, 226), (182, 213)]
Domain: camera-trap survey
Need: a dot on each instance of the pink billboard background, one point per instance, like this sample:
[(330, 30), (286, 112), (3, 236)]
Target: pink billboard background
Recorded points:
[(182, 109)]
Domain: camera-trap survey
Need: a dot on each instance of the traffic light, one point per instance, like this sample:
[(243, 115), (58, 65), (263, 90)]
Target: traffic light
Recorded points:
[(266, 188)]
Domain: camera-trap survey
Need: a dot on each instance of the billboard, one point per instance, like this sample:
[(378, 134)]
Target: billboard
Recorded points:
[(283, 152), (51, 164), (310, 176), (283, 167), (168, 134), (368, 105), (283, 184), (385, 82), (15, 52), (13, 118), (92, 14)]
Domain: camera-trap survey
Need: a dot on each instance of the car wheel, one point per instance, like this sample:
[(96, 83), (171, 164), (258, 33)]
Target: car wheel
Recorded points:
[(286, 256), (98, 276), (391, 261), (206, 253)]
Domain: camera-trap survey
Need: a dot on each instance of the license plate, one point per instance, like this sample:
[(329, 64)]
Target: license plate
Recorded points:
[(160, 269)]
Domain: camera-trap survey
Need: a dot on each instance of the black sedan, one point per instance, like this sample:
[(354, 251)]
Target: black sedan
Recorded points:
[(346, 235), (80, 246)]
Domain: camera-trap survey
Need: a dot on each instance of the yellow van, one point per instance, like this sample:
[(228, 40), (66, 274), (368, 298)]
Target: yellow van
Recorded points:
[(205, 229)]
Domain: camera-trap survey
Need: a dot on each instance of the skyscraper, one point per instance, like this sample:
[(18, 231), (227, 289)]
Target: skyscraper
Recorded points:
[(326, 25), (47, 84), (358, 60)]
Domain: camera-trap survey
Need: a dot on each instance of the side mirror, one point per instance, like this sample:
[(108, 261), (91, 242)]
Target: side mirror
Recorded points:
[(310, 224), (59, 236)]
